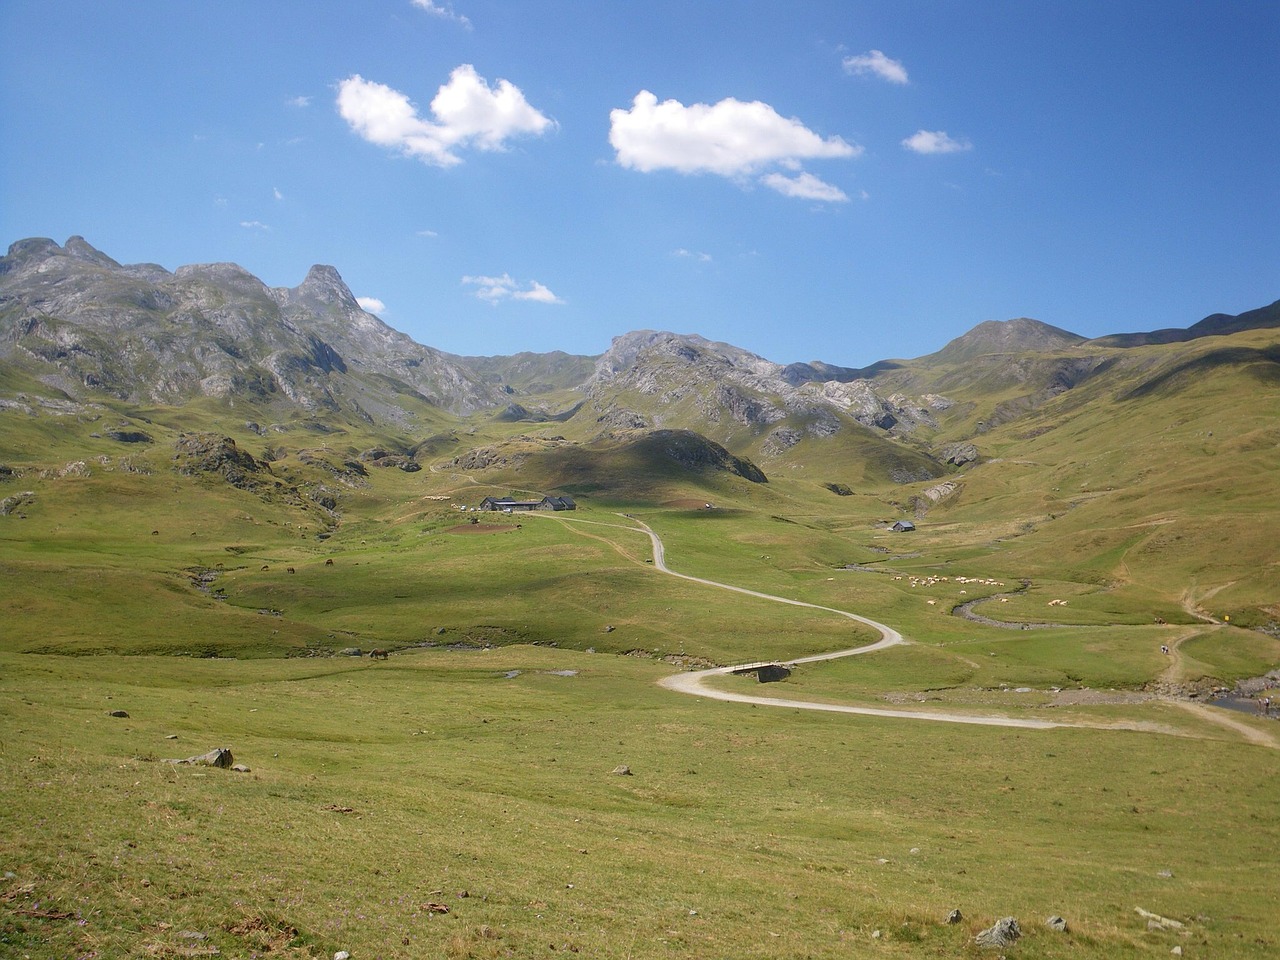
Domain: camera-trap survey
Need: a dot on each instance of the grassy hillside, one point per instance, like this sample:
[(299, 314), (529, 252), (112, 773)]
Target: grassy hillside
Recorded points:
[(210, 598)]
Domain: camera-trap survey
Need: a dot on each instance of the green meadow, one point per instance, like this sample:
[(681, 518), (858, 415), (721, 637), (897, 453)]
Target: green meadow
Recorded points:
[(460, 799)]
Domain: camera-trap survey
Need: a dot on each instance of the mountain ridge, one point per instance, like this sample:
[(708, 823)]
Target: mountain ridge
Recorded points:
[(85, 326)]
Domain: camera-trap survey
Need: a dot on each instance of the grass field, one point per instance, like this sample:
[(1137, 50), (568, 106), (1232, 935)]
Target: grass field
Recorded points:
[(473, 770)]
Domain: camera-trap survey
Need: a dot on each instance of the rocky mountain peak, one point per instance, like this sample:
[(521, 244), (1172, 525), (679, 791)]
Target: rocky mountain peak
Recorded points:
[(1020, 335), (81, 249), (324, 284)]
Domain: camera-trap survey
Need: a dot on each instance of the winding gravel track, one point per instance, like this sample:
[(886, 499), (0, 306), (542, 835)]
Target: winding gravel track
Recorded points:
[(695, 682)]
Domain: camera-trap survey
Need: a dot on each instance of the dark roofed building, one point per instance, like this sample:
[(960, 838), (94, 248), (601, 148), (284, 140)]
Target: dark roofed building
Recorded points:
[(902, 526), (509, 504), (557, 503)]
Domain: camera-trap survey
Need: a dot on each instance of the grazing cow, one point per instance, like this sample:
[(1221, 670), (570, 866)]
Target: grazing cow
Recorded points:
[(265, 567), (291, 570), (378, 654), (329, 562)]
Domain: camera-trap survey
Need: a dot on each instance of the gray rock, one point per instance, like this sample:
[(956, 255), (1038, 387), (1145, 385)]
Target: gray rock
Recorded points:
[(217, 757), (622, 770), (1002, 933), (1056, 923), (960, 454), (118, 713), (241, 768), (955, 916), (351, 652)]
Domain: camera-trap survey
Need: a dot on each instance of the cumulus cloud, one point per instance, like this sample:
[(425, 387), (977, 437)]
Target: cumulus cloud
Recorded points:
[(467, 113), (494, 290), (804, 186), (731, 138), (935, 141), (876, 64), (442, 10), (298, 102), (371, 305), (254, 225), (275, 192)]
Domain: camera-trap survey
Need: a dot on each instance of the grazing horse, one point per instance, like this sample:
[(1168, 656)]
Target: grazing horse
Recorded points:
[(378, 654)]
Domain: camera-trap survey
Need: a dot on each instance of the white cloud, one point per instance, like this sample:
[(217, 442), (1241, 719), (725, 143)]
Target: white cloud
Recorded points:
[(805, 186), (468, 113), (935, 141), (877, 64), (444, 11), (254, 225), (496, 289), (730, 138), (371, 305), (427, 233), (692, 255), (298, 102), (275, 192)]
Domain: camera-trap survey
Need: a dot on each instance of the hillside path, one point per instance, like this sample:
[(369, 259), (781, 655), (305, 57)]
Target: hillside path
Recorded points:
[(695, 682)]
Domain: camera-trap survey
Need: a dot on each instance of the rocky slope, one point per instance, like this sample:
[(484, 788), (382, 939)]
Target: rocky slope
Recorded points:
[(83, 323)]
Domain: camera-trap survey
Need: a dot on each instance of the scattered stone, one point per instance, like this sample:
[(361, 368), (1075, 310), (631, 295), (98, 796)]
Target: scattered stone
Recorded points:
[(1176, 951), (118, 713), (1165, 874), (241, 768), (608, 629), (351, 652), (955, 916), (342, 955), (876, 934), (1056, 923), (218, 757), (193, 935), (1156, 918), (435, 908), (171, 736), (1003, 933), (622, 770)]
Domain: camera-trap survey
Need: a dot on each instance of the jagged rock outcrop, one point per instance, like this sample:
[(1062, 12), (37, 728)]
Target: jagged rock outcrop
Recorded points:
[(687, 380), (84, 324), (207, 453)]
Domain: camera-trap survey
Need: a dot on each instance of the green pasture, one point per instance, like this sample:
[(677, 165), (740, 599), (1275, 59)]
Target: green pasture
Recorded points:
[(479, 758), (483, 782)]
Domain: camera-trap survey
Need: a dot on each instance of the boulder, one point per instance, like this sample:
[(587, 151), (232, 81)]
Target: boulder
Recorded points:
[(1056, 923), (1003, 933), (960, 454), (217, 757), (622, 770), (955, 916), (117, 713)]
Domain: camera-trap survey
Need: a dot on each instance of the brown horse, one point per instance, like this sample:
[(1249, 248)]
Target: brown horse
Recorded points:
[(378, 654)]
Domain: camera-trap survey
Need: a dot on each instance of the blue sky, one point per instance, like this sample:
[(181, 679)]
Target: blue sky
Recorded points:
[(844, 181)]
